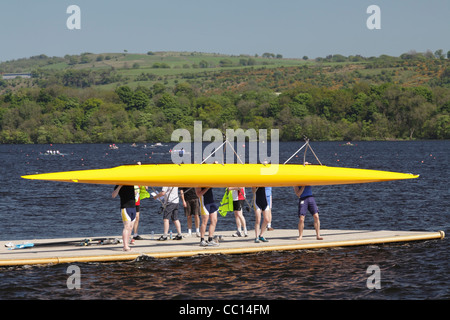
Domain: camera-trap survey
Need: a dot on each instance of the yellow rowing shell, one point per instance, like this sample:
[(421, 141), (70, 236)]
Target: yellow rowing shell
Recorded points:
[(223, 175)]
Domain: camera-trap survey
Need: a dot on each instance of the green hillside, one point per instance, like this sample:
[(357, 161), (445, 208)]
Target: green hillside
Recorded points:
[(126, 97), (140, 69), (109, 70)]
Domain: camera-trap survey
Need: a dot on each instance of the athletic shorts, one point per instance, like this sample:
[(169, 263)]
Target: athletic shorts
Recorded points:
[(206, 209), (128, 214), (307, 204), (238, 205), (260, 202), (171, 211), (192, 208)]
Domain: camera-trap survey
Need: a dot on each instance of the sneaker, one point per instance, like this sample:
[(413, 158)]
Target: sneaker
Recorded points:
[(245, 234), (198, 234), (162, 238), (270, 229), (256, 240), (263, 239), (203, 243), (138, 237), (131, 241), (237, 234), (213, 243), (178, 237)]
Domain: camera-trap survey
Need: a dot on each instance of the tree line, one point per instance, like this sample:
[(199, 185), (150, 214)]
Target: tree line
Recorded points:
[(362, 111)]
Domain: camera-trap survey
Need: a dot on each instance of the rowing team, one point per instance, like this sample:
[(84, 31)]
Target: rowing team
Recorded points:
[(52, 152), (200, 202)]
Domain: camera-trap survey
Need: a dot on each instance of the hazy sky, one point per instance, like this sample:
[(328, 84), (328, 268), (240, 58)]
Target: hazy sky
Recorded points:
[(293, 28)]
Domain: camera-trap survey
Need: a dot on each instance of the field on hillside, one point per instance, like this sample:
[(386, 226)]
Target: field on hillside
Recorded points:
[(127, 97), (217, 72)]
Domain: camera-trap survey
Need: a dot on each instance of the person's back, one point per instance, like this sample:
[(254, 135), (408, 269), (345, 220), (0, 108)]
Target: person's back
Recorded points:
[(307, 192), (170, 194)]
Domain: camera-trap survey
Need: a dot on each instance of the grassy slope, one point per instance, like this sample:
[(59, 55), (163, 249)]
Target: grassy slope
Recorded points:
[(185, 65)]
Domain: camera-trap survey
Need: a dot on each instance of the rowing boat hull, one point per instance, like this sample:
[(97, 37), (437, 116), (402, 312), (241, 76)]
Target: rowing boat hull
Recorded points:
[(223, 175)]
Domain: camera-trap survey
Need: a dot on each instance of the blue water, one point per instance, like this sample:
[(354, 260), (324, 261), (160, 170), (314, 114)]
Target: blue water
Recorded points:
[(416, 270)]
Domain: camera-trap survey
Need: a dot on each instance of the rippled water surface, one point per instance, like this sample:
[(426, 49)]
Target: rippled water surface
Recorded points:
[(416, 270)]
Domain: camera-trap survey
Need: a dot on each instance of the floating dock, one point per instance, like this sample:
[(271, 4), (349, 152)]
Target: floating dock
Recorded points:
[(279, 240)]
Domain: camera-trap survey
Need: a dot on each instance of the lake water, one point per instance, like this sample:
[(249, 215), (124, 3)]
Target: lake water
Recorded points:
[(416, 270)]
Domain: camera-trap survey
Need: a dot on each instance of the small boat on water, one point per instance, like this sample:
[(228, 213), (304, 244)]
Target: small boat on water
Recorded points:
[(348, 144), (53, 153)]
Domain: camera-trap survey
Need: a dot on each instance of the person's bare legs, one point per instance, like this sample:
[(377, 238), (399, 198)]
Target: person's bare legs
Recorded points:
[(136, 223), (197, 221), (212, 224), (189, 222), (126, 233), (241, 224), (257, 222), (238, 220), (266, 220), (301, 224), (317, 226), (166, 226), (205, 218), (177, 226)]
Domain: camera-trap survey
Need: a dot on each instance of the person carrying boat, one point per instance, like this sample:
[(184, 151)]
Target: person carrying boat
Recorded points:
[(140, 193), (191, 209), (260, 206), (306, 203), (170, 210), (138, 197), (238, 204), (127, 210), (208, 211)]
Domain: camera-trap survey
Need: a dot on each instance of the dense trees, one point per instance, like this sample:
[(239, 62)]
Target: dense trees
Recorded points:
[(61, 115), (334, 98)]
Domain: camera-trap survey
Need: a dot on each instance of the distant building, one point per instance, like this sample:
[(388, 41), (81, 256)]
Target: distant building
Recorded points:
[(7, 76)]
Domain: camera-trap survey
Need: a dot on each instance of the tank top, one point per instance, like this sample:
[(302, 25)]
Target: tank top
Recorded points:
[(307, 192), (208, 197), (238, 194)]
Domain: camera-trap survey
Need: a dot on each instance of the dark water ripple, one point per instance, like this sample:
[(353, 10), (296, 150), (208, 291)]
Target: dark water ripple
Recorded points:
[(412, 271)]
